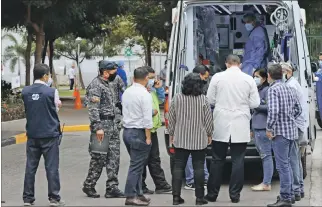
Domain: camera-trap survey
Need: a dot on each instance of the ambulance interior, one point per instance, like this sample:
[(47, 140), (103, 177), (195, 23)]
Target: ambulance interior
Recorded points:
[(219, 30)]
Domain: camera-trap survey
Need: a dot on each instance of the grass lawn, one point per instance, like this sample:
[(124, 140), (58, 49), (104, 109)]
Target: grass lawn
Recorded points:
[(68, 93)]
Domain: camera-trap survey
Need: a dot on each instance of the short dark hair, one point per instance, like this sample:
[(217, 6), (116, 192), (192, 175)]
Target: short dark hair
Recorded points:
[(201, 69), (192, 85), (275, 71), (149, 69), (249, 17), (233, 59), (40, 70), (141, 73)]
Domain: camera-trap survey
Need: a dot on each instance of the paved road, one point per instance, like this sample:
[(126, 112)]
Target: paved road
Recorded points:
[(74, 165)]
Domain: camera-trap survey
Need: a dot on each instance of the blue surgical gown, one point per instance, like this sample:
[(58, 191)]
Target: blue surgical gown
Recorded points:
[(255, 52)]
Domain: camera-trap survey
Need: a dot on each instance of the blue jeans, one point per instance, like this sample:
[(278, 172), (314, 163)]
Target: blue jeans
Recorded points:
[(282, 151), (296, 164), (134, 140), (189, 171), (264, 148)]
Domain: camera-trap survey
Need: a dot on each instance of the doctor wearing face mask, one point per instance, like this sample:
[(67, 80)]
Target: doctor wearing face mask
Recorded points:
[(257, 50)]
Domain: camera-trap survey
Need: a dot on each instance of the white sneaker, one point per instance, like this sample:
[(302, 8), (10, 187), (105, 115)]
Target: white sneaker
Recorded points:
[(262, 187), (56, 203), (28, 204)]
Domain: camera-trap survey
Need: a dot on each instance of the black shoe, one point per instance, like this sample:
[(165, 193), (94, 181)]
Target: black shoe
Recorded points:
[(114, 193), (302, 195), (177, 200), (211, 198), (298, 197), (147, 191), (280, 203), (235, 200), (165, 189), (144, 199), (201, 201), (278, 199), (91, 192)]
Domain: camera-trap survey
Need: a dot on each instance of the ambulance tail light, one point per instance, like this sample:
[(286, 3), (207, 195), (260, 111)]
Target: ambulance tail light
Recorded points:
[(166, 111)]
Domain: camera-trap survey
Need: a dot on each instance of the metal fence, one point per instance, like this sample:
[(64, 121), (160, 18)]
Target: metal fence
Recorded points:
[(315, 45)]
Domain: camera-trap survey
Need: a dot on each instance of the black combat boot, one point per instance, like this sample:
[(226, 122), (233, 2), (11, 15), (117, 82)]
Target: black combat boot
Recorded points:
[(114, 193), (177, 200), (91, 192)]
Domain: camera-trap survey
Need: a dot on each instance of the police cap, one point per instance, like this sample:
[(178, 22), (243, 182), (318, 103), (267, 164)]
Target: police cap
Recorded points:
[(107, 65)]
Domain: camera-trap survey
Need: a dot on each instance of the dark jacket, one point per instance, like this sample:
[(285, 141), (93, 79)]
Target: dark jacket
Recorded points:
[(259, 117), (40, 109)]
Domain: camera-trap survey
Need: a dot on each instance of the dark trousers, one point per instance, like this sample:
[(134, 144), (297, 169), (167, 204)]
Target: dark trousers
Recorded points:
[(154, 164), (180, 161), (219, 152), (49, 148), (138, 149), (71, 84)]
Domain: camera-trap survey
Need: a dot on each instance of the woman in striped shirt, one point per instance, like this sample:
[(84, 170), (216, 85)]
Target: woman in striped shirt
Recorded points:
[(190, 129)]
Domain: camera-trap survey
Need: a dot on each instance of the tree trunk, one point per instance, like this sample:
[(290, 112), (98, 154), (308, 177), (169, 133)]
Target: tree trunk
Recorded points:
[(148, 42), (39, 44), (80, 78), (51, 65), (27, 57), (44, 51)]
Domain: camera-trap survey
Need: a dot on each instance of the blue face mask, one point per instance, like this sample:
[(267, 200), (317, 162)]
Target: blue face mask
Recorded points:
[(49, 82), (249, 27), (150, 83), (257, 81)]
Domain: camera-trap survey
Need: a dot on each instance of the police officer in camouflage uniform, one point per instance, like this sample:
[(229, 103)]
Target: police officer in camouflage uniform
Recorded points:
[(118, 87), (102, 110)]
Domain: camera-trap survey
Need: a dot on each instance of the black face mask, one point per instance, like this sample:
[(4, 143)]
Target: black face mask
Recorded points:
[(112, 77), (205, 81)]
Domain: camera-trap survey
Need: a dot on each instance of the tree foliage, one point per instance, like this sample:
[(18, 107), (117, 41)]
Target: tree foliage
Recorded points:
[(68, 47), (148, 18), (15, 52)]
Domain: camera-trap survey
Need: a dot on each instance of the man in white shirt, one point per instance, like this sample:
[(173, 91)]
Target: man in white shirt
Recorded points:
[(232, 93), (137, 119), (71, 76), (300, 143)]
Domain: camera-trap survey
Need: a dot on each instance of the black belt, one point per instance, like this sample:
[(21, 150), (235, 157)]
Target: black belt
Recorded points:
[(106, 117)]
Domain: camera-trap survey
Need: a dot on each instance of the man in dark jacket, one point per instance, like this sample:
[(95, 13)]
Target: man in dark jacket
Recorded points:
[(43, 135)]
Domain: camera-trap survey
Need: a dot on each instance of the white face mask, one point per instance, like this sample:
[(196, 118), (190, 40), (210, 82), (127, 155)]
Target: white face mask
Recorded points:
[(49, 82)]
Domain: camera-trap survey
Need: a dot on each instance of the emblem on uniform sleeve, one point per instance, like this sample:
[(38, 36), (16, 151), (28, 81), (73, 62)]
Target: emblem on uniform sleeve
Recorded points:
[(95, 99), (35, 97)]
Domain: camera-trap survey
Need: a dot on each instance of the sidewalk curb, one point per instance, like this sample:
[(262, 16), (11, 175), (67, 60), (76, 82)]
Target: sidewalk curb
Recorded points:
[(22, 138)]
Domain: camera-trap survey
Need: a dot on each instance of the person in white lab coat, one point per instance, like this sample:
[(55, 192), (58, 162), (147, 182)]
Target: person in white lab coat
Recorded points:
[(233, 94), (71, 77)]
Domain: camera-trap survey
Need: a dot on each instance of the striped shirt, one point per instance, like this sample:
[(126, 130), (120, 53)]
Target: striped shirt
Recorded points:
[(283, 109), (190, 122)]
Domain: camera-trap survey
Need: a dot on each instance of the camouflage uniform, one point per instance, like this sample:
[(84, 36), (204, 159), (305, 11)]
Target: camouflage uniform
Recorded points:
[(118, 87), (102, 110)]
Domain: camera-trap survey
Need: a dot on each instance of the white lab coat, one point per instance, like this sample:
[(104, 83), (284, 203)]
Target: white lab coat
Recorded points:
[(233, 93)]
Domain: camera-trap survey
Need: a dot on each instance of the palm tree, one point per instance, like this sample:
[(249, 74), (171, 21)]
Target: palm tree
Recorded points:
[(15, 52)]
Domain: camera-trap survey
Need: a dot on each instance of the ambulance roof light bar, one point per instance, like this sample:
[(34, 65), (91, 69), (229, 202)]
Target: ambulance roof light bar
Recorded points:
[(217, 9), (226, 10), (259, 11)]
